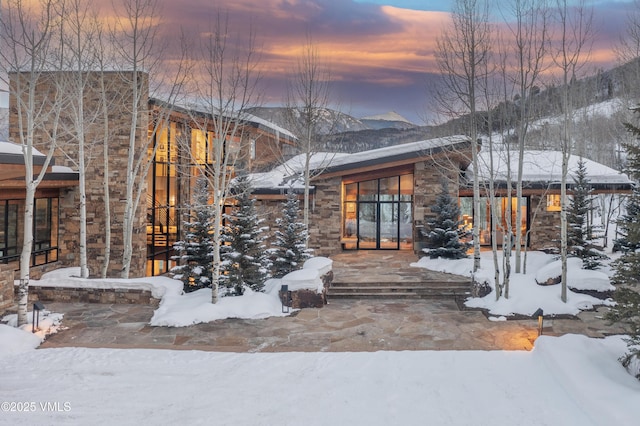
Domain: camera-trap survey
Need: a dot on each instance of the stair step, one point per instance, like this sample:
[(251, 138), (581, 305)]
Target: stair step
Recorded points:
[(418, 284), (394, 295)]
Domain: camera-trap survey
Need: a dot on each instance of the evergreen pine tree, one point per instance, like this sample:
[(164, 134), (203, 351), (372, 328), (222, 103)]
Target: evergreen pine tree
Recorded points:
[(290, 245), (580, 234), (445, 232), (627, 268), (244, 256), (195, 252)]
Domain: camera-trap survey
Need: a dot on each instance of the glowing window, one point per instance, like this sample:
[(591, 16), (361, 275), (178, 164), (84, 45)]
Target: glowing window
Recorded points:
[(553, 203)]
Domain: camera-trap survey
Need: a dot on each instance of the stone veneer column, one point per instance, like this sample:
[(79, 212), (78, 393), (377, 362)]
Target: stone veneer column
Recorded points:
[(325, 217), (545, 229), (6, 287), (427, 180), (120, 96)]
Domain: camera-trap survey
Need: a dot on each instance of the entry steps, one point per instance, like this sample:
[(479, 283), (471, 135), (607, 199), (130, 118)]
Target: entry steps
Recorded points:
[(398, 290)]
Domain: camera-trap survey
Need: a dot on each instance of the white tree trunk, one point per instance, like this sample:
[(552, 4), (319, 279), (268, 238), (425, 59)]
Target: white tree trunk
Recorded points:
[(25, 254), (105, 180)]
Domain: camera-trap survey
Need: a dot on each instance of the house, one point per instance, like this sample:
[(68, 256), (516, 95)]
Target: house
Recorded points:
[(381, 199), (52, 193), (174, 145), (372, 200), (542, 174), (375, 200)]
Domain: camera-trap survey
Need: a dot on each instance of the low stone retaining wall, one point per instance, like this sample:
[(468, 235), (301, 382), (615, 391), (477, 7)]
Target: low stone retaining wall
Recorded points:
[(6, 287), (92, 295)]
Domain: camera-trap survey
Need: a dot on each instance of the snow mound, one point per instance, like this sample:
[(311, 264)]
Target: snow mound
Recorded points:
[(525, 295), (303, 279), (69, 277), (577, 278), (20, 340), (600, 358), (322, 264), (196, 307)]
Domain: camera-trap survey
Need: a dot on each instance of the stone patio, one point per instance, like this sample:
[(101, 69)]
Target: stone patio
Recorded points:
[(343, 325)]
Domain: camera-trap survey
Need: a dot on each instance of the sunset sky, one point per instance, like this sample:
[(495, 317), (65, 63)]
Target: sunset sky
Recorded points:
[(381, 52)]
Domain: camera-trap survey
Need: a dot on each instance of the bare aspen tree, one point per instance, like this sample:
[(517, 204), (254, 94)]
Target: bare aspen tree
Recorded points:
[(225, 89), (135, 35), (27, 36), (463, 49), (137, 50), (572, 50), (102, 63), (529, 37), (505, 131), (490, 84), (78, 42), (308, 96)]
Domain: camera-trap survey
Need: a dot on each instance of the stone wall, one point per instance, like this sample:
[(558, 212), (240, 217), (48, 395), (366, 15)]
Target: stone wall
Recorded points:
[(120, 95), (7, 299), (427, 181), (325, 217), (9, 272), (545, 228), (91, 295)]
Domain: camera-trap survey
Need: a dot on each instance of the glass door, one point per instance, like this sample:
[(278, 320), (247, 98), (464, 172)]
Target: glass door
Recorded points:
[(377, 214)]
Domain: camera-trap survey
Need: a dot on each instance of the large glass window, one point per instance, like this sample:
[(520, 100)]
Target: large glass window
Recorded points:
[(377, 213), (162, 201), (504, 220), (45, 230)]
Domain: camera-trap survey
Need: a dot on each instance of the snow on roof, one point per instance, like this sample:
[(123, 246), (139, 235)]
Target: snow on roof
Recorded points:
[(287, 174), (255, 119), (14, 148), (544, 166), (199, 107), (388, 153)]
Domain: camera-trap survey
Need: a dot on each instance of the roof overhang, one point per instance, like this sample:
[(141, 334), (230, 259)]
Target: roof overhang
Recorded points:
[(461, 150)]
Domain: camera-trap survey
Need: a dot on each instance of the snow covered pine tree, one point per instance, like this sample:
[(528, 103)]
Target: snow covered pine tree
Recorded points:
[(195, 252), (445, 232), (580, 233), (244, 256), (290, 245), (627, 267)]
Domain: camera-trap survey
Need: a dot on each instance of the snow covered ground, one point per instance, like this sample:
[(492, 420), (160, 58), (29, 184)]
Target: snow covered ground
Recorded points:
[(525, 295), (571, 380), (568, 380)]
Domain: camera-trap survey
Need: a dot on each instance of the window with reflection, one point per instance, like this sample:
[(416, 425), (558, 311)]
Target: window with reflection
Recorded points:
[(163, 199), (377, 213), (504, 219), (45, 230)]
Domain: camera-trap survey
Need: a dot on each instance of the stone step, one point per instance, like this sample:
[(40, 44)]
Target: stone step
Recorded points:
[(403, 284), (394, 291), (396, 295)]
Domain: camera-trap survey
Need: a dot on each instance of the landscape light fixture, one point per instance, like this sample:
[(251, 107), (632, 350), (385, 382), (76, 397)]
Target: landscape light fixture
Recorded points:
[(540, 314), (285, 298), (35, 322)]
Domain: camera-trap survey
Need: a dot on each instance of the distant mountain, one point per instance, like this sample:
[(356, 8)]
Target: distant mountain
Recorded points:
[(331, 121), (601, 103), (388, 116)]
